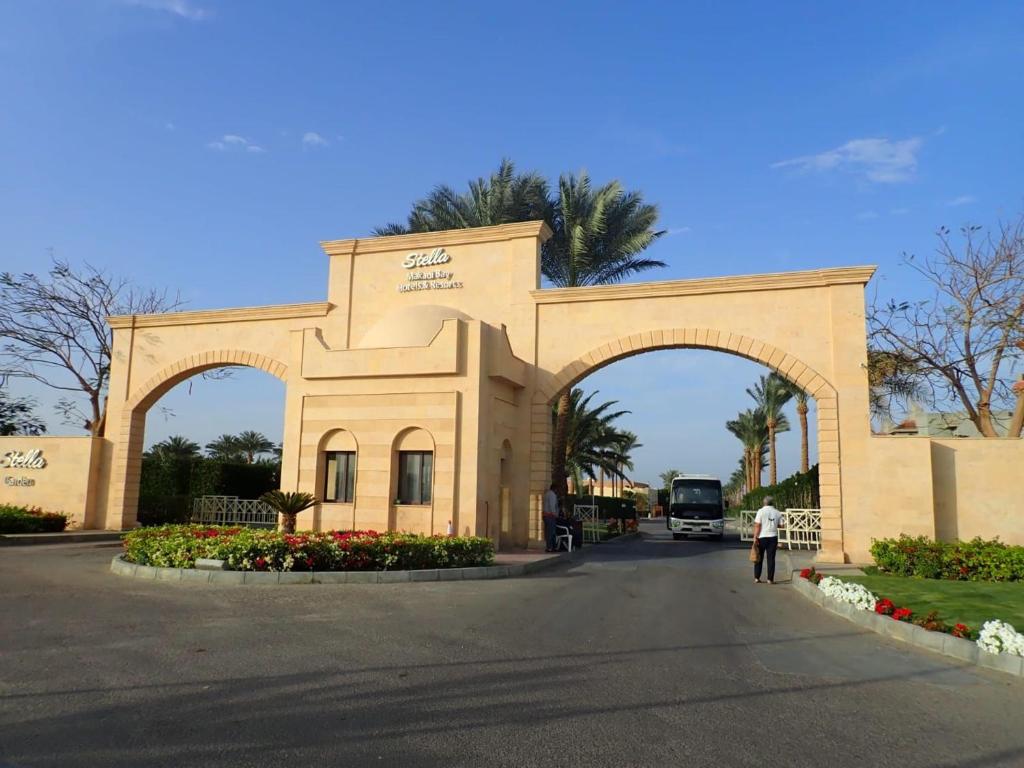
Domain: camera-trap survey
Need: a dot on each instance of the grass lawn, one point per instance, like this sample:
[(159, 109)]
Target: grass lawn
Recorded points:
[(970, 602)]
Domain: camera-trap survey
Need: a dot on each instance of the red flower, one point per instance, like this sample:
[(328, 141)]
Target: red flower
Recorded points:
[(806, 573), (261, 563), (902, 614), (961, 630), (885, 607)]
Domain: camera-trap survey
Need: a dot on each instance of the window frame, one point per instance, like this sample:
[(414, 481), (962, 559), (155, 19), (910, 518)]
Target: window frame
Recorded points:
[(424, 496), (349, 489)]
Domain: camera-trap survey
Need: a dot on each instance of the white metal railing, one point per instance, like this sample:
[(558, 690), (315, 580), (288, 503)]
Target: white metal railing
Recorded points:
[(802, 529), (587, 514), (231, 510)]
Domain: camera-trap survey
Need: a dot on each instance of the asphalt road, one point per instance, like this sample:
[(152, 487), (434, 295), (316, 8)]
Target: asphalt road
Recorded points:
[(646, 653)]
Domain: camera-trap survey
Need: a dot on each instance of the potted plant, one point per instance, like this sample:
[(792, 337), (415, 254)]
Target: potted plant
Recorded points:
[(288, 504)]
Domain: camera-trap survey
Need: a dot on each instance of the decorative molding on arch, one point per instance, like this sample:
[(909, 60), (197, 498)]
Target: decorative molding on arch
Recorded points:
[(778, 360), (159, 382)]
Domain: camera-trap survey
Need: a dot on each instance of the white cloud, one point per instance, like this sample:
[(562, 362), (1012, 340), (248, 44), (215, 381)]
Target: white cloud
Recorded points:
[(962, 200), (182, 8), (878, 160), (313, 139), (232, 141), (677, 231)]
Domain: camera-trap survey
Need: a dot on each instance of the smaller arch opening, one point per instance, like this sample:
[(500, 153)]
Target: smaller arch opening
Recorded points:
[(412, 484)]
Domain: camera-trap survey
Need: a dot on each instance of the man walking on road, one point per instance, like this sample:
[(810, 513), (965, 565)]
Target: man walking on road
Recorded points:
[(767, 522), (550, 514)]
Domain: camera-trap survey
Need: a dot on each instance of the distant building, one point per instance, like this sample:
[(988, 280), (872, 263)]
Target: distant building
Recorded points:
[(938, 424)]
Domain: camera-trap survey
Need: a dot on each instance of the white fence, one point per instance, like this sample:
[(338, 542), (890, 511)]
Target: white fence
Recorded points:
[(231, 510), (802, 531), (587, 514)]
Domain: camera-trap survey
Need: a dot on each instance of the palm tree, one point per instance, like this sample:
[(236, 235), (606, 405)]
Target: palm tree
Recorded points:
[(598, 237), (252, 443), (503, 198), (801, 398), (225, 448), (175, 447), (593, 441), (750, 428), (771, 393), (288, 504)]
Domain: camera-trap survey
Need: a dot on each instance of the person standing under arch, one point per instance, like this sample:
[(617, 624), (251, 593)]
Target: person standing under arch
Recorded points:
[(550, 515), (767, 522)]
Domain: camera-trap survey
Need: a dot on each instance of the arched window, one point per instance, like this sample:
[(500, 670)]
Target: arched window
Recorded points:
[(339, 463), (415, 467)]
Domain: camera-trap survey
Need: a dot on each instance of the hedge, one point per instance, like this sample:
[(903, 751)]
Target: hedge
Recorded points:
[(247, 549), (974, 560), (799, 491), (608, 507), (30, 520), (169, 485)]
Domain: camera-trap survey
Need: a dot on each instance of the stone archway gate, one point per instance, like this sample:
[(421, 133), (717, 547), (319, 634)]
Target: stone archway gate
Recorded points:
[(808, 326)]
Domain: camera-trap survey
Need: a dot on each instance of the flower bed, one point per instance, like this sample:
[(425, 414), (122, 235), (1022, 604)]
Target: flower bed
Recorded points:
[(30, 520), (246, 549), (995, 636), (974, 560)]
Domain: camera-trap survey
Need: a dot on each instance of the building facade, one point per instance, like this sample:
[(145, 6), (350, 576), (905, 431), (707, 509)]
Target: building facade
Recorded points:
[(419, 394)]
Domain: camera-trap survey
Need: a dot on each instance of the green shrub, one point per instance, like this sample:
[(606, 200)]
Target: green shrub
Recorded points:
[(608, 507), (247, 549), (169, 484), (974, 560), (799, 491), (30, 520)]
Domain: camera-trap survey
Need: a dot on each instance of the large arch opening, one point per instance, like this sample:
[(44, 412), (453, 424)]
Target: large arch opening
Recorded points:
[(236, 401), (787, 366)]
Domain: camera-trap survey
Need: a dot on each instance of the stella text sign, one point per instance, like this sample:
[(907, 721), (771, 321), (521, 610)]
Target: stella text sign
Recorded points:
[(23, 460), (429, 279)]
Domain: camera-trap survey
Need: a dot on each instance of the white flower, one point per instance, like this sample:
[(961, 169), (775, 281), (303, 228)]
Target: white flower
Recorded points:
[(848, 592), (999, 637)]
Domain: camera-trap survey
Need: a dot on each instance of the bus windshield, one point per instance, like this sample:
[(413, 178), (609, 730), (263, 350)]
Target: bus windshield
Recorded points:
[(696, 492)]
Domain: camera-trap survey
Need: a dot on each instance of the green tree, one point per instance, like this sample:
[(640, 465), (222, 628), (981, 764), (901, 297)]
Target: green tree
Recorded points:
[(668, 476), (175, 447), (801, 398), (751, 429), (288, 504), (225, 448), (251, 444), (771, 393), (599, 236), (17, 416), (505, 197), (593, 441)]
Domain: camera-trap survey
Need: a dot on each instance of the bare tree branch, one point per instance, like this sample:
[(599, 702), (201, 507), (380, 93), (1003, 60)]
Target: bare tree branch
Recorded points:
[(965, 343), (54, 331)]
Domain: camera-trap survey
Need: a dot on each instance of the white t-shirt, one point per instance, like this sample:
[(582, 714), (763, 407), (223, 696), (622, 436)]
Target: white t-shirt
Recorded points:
[(769, 518)]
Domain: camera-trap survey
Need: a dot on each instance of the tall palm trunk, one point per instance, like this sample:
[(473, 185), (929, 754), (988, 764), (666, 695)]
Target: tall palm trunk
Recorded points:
[(558, 449), (801, 410), (772, 476)]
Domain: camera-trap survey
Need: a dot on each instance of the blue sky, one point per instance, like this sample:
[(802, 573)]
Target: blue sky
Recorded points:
[(208, 146)]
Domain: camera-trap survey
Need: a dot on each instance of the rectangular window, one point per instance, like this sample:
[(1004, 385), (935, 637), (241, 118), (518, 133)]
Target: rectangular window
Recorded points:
[(415, 475), (341, 476)]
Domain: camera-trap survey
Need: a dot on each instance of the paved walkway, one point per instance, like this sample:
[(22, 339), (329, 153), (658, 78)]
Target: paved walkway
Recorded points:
[(653, 652)]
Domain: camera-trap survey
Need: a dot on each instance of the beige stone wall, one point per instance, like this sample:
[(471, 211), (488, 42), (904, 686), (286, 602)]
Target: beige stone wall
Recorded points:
[(67, 482), (979, 488)]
